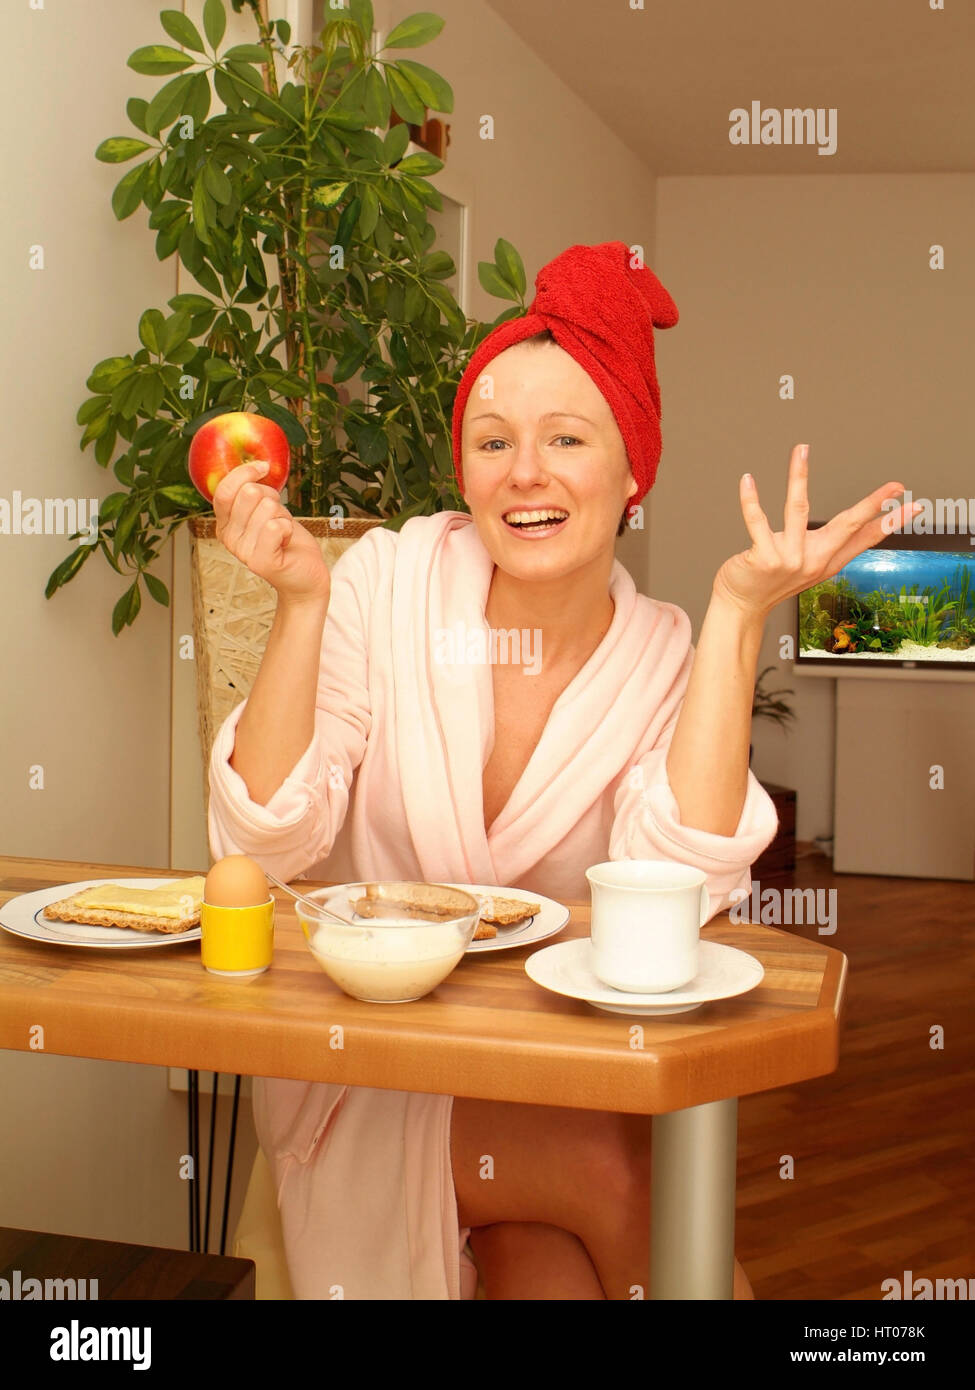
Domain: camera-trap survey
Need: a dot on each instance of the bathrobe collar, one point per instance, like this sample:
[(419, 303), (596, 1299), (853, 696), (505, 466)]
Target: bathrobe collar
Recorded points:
[(440, 587)]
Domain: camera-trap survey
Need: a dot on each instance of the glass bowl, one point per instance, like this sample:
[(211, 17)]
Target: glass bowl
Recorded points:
[(402, 940)]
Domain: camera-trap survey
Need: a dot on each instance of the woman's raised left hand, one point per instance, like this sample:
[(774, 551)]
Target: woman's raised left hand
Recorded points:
[(783, 563)]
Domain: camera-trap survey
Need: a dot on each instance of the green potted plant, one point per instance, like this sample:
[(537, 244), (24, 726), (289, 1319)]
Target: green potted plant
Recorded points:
[(768, 704), (309, 236)]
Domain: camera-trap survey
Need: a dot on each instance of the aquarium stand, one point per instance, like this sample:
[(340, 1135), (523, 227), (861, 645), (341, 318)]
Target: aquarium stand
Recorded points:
[(904, 778)]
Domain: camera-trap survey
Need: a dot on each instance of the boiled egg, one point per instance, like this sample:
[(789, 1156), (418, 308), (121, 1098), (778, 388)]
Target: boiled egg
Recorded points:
[(236, 881)]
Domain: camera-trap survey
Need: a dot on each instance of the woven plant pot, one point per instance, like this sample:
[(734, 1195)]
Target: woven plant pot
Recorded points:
[(233, 610)]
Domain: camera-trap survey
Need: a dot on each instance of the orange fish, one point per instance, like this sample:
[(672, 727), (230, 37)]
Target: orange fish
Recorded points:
[(841, 638)]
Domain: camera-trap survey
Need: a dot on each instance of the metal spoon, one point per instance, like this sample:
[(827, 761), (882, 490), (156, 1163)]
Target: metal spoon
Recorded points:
[(317, 907)]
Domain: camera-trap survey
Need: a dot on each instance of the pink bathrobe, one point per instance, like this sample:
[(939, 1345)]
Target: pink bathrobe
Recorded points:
[(391, 787)]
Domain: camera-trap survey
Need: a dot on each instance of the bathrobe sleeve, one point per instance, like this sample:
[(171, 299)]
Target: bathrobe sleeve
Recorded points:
[(646, 823), (298, 825)]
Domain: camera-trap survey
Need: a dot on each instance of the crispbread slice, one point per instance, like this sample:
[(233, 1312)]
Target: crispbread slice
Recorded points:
[(505, 912), (388, 907), (69, 910), (423, 901)]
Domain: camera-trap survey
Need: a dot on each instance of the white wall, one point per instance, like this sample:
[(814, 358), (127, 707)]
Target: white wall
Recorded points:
[(826, 278)]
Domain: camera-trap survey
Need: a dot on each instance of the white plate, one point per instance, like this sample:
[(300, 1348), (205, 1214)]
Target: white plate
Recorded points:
[(542, 925), (723, 971), (24, 916)]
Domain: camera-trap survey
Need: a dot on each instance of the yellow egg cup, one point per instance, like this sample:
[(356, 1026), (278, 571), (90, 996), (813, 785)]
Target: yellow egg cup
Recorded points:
[(237, 941)]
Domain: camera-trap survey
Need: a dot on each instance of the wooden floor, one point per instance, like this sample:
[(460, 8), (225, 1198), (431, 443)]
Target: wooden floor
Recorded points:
[(883, 1148)]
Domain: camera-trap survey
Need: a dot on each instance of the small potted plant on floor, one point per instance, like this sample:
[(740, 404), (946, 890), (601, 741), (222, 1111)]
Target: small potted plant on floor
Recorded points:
[(768, 704)]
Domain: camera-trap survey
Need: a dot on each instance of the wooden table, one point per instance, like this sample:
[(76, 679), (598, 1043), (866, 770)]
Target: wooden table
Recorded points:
[(488, 1031)]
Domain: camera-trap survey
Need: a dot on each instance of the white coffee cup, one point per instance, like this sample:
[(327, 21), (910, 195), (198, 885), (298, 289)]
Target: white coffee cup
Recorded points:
[(647, 916)]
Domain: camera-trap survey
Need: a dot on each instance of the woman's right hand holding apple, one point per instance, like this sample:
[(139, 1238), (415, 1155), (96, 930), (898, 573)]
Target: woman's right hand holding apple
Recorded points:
[(259, 530)]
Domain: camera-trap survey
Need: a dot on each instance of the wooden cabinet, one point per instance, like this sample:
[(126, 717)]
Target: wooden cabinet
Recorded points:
[(780, 857)]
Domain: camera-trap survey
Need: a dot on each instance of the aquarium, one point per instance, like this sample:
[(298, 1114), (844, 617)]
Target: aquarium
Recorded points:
[(906, 602)]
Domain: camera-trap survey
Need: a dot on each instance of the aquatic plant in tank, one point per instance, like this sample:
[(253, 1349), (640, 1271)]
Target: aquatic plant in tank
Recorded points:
[(887, 604)]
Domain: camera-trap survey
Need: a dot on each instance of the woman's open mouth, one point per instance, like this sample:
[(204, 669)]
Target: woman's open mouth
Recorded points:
[(532, 522)]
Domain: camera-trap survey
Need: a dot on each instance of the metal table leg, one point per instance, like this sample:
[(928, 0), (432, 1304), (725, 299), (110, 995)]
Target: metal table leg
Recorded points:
[(692, 1201), (230, 1167), (198, 1242), (193, 1145)]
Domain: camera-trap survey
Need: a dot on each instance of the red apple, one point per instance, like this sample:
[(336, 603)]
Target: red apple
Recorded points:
[(236, 437)]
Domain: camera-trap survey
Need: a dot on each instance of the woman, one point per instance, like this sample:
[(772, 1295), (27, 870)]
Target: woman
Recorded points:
[(362, 746)]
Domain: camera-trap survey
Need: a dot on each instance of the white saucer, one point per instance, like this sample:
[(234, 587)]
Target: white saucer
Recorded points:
[(723, 971)]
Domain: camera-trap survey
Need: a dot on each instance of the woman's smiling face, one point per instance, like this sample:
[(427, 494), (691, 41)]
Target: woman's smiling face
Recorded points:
[(545, 440)]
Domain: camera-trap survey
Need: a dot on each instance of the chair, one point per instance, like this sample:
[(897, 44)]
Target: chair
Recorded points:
[(258, 1236)]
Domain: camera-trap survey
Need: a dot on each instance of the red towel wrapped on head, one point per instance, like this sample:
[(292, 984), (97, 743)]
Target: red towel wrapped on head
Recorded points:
[(601, 305)]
